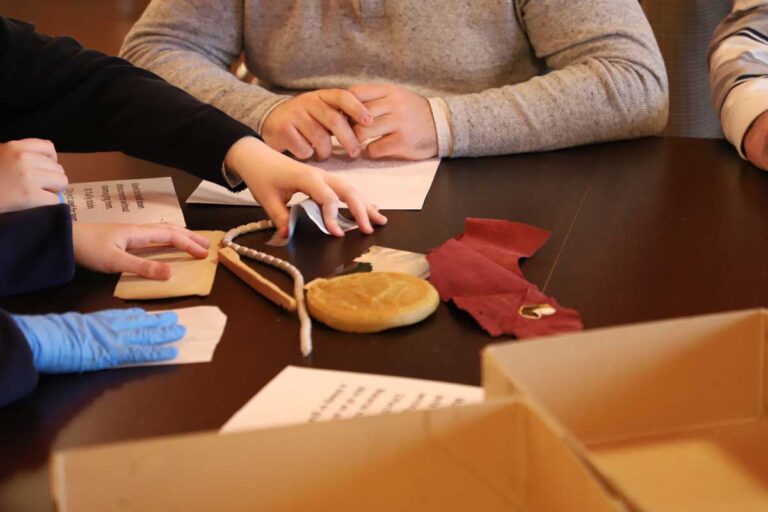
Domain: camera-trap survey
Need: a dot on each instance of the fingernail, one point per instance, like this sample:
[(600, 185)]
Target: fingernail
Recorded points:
[(367, 119)]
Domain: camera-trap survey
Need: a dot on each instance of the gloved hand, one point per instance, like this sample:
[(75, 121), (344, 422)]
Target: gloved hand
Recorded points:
[(74, 342)]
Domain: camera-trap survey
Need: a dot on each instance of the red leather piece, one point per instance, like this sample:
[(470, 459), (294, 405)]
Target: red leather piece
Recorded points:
[(479, 270)]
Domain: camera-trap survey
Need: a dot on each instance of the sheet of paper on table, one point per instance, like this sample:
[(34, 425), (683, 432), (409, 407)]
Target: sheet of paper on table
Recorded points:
[(389, 184), (307, 395), (205, 325), (134, 201)]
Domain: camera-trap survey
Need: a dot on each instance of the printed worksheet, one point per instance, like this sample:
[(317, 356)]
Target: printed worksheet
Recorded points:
[(308, 395), (389, 184), (133, 201)]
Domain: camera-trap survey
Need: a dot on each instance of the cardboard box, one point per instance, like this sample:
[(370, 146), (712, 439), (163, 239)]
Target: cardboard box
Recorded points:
[(495, 456), (672, 414)]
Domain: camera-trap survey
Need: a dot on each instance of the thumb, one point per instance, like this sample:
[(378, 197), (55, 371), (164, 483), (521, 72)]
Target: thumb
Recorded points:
[(277, 211)]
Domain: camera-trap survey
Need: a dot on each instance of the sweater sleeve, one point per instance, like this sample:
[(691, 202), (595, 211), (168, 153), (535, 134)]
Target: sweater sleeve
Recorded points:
[(738, 68), (606, 80), (82, 101), (35, 249), (17, 373), (193, 44)]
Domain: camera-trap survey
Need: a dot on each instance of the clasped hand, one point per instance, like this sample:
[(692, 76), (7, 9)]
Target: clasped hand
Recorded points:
[(397, 121)]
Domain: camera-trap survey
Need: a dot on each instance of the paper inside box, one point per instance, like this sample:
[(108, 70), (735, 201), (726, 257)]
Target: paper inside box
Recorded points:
[(672, 413), (492, 457)]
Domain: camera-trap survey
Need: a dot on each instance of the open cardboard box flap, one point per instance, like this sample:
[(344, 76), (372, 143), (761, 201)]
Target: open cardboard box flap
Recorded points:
[(494, 456), (672, 413)]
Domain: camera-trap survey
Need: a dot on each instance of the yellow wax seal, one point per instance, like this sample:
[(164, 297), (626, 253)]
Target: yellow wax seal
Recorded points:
[(371, 301)]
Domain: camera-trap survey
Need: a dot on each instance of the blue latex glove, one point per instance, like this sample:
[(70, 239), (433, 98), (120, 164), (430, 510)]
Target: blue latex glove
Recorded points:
[(74, 342)]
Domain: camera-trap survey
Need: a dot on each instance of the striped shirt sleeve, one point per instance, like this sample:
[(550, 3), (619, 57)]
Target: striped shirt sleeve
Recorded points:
[(738, 68)]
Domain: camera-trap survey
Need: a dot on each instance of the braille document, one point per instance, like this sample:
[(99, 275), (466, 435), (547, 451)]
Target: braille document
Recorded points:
[(307, 395), (389, 184), (131, 201)]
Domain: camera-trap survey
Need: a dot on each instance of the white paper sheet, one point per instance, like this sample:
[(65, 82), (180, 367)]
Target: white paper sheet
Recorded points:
[(312, 209), (307, 395), (138, 201), (205, 325), (389, 184)]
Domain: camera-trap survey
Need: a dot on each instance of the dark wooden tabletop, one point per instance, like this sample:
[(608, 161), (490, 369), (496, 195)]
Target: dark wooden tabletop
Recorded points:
[(641, 230)]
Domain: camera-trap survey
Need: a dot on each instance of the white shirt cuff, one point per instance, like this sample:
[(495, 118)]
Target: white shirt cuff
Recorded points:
[(266, 114), (742, 106), (442, 118)]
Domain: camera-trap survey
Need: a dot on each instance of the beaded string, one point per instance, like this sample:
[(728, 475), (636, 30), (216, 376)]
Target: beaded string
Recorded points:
[(305, 332)]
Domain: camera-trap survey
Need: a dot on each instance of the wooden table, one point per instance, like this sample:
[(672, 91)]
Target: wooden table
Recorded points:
[(641, 230)]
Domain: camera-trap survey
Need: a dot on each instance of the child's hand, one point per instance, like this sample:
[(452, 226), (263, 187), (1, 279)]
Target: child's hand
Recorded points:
[(304, 124), (403, 125), (273, 178), (103, 247), (30, 175)]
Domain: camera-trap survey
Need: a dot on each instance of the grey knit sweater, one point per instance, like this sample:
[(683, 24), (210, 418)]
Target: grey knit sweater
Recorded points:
[(516, 75)]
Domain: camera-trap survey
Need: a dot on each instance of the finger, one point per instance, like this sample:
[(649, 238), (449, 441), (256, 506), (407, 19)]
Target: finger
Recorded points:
[(50, 179), (188, 244), (316, 135), (40, 161), (121, 261), (330, 217), (385, 147), (380, 107), (114, 314), (297, 144), (153, 335), (41, 146), (196, 237), (199, 239), (370, 92), (319, 189), (337, 123), (376, 216), (381, 126), (339, 99), (277, 211), (143, 319), (358, 208), (142, 354), (182, 239)]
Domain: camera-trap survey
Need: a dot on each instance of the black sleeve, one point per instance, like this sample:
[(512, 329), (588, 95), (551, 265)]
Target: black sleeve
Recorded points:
[(83, 101), (35, 249), (17, 372)]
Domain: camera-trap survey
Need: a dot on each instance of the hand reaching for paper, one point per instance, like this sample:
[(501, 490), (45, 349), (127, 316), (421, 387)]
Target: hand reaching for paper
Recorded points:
[(273, 178), (74, 342), (30, 175), (104, 247), (403, 125), (304, 124)]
